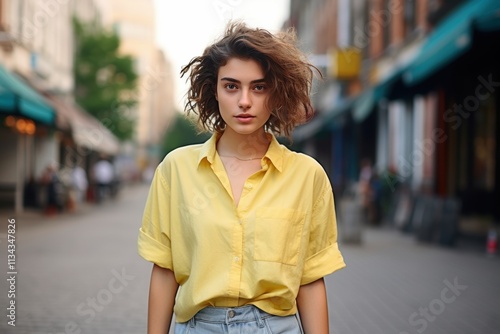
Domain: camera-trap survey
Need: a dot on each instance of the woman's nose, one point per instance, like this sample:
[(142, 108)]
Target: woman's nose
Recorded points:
[(244, 101)]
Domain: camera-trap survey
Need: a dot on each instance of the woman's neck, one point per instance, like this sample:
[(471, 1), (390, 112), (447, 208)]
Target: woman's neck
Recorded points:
[(243, 147)]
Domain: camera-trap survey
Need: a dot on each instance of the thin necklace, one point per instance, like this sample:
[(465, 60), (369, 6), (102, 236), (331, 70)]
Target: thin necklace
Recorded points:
[(235, 157)]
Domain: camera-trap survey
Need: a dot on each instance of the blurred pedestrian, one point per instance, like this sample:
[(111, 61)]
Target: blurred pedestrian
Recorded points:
[(240, 228), (103, 176), (365, 177), (80, 183), (375, 205), (31, 193), (370, 191), (55, 192)]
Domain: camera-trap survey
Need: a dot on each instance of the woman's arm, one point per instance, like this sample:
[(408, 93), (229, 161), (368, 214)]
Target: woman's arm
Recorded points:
[(162, 291), (313, 307)]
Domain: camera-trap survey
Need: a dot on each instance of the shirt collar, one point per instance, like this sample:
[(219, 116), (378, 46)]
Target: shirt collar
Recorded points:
[(208, 149), (274, 153)]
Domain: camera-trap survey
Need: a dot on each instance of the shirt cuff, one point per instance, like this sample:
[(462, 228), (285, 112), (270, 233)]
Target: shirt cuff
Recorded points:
[(321, 264), (154, 251)]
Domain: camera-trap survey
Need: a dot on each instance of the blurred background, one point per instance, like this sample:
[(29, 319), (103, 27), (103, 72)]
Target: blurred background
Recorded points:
[(407, 103), (410, 105), (406, 126)]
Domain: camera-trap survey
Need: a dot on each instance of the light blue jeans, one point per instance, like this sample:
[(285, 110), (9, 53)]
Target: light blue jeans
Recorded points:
[(242, 320)]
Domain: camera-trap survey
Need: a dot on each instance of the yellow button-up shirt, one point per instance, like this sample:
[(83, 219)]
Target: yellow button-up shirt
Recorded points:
[(282, 234)]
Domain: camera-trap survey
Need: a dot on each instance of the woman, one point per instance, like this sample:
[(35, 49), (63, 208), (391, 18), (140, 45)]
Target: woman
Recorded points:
[(242, 229)]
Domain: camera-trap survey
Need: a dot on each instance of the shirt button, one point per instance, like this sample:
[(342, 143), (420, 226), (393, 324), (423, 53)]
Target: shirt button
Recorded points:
[(236, 259), (231, 314), (249, 186)]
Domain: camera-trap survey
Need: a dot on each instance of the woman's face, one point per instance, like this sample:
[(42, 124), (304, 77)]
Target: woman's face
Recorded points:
[(242, 94)]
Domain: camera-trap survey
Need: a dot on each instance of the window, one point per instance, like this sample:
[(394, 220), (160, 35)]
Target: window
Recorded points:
[(410, 16), (386, 17)]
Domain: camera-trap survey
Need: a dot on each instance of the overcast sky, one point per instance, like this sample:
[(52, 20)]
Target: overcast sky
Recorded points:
[(185, 28)]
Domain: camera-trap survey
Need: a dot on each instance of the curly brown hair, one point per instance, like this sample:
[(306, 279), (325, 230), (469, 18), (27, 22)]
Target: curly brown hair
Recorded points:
[(288, 75)]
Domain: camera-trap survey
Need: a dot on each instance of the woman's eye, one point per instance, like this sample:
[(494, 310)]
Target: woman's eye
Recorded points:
[(230, 86), (260, 88)]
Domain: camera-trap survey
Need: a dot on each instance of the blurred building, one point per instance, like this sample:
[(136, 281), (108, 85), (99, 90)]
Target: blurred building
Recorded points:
[(41, 125), (412, 86), (134, 21)]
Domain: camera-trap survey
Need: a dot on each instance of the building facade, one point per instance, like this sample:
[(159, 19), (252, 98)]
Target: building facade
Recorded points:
[(421, 104), (41, 125), (134, 21)]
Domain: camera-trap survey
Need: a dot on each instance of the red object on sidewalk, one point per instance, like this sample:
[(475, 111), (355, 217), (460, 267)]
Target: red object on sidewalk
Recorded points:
[(90, 194), (492, 242), (50, 210)]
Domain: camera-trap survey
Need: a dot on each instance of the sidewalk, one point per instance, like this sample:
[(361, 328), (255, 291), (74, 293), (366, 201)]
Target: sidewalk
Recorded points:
[(32, 216), (393, 284), (79, 272)]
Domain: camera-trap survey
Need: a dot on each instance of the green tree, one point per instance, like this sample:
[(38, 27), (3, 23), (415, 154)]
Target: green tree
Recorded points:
[(105, 81), (182, 132)]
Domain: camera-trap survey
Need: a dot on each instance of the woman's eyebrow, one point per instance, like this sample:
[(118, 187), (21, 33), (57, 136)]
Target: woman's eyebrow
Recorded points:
[(237, 81)]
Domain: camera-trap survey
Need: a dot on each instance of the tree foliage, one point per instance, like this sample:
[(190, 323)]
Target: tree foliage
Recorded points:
[(182, 132), (105, 81)]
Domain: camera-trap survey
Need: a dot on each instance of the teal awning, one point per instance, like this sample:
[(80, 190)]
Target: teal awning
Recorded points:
[(364, 105), (323, 122), (17, 97), (453, 37), (337, 117), (358, 106)]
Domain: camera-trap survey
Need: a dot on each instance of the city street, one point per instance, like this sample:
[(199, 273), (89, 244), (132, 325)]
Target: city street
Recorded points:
[(80, 273)]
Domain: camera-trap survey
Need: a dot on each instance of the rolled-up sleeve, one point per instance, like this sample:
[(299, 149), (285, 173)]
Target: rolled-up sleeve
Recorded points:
[(154, 235), (323, 254)]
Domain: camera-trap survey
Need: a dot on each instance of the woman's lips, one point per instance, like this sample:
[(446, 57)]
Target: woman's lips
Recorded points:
[(244, 118)]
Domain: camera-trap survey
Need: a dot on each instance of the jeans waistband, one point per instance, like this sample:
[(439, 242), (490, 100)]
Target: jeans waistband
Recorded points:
[(231, 314)]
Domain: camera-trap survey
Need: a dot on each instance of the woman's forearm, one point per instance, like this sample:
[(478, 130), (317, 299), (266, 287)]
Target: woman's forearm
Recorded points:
[(162, 291), (313, 307)]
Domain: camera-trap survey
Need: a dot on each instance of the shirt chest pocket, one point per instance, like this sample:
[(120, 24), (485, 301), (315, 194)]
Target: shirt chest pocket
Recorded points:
[(278, 233)]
